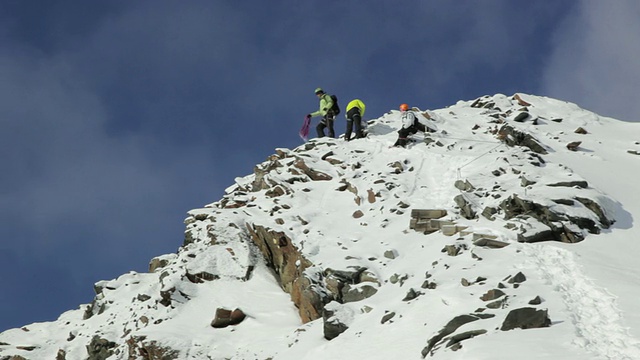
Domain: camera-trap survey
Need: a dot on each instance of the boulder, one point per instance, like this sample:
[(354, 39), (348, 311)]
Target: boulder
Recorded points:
[(526, 318)]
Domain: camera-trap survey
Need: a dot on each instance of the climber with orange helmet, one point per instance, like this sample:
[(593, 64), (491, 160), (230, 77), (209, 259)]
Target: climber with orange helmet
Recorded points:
[(411, 124)]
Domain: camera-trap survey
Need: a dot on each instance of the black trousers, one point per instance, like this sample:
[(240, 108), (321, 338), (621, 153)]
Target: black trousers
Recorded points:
[(353, 118), (326, 122), (404, 133)]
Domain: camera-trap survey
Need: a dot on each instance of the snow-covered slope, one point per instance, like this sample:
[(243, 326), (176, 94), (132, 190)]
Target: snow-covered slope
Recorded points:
[(346, 207)]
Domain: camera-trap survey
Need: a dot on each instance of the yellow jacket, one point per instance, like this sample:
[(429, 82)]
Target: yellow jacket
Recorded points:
[(356, 103)]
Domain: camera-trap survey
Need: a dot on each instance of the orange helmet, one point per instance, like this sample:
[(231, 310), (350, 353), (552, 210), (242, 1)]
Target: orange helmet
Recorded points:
[(404, 107)]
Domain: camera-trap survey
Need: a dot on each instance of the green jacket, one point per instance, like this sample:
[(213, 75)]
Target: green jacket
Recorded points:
[(325, 104), (356, 103)]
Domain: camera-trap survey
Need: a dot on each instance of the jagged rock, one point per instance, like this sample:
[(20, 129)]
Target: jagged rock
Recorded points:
[(521, 117), (451, 327), (517, 278), (388, 316), (464, 185), (490, 243), (289, 265), (453, 250), (524, 182), (335, 319), (520, 101), (466, 209), (578, 183), (596, 209), (526, 318), (371, 196), (225, 317), (554, 228), (140, 348), (513, 137), (390, 254), (158, 263), (454, 341), (498, 303), (313, 174), (428, 285), (356, 293), (536, 301), (411, 294), (61, 355), (581, 130), (492, 295), (574, 145), (488, 212), (99, 348), (397, 166)]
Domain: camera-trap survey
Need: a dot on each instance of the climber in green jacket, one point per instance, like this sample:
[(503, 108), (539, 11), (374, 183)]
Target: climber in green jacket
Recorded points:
[(326, 104), (355, 112)]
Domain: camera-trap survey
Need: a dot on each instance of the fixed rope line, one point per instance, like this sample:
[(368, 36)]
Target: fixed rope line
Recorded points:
[(481, 155)]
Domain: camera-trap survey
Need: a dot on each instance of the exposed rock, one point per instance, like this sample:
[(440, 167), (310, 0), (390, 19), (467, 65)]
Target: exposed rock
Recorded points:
[(524, 182), (554, 228), (335, 318), (313, 174), (158, 263), (388, 316), (536, 301), (464, 185), (517, 278), (513, 137), (578, 183), (521, 117), (99, 348), (356, 293), (520, 101), (225, 317), (61, 355), (289, 266), (454, 341), (451, 327), (140, 348), (492, 295), (581, 130), (490, 243), (411, 294), (574, 145), (526, 318), (466, 210)]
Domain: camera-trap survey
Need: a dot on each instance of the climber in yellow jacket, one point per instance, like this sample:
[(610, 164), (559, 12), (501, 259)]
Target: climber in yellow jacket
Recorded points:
[(354, 115)]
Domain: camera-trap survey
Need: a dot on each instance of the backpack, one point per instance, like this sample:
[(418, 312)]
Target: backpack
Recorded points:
[(335, 108)]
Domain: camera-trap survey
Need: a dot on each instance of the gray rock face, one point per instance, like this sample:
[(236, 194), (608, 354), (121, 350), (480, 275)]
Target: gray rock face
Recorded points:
[(100, 349), (526, 318)]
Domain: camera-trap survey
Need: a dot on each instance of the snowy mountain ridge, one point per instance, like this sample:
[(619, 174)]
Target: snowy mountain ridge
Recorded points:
[(468, 244)]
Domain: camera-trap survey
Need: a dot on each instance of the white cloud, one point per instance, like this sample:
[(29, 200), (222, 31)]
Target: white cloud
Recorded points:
[(595, 59)]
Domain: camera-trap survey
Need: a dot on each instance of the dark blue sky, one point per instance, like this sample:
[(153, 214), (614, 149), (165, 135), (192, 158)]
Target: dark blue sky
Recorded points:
[(118, 117)]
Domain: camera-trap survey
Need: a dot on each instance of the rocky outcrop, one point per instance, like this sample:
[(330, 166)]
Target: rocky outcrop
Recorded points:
[(141, 348), (514, 137), (100, 348), (310, 287), (526, 318), (555, 225), (225, 317)]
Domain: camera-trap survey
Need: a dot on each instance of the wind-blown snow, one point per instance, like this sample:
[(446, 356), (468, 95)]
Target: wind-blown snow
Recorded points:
[(590, 288)]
